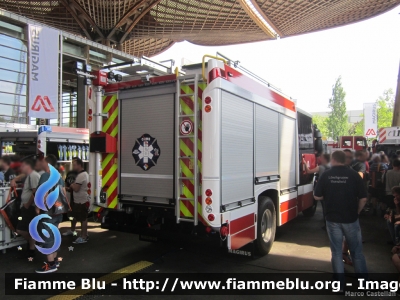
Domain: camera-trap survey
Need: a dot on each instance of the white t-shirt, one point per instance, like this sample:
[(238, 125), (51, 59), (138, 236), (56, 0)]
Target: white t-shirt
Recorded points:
[(82, 196)]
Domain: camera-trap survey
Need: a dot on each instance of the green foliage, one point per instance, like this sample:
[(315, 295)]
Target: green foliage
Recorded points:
[(385, 107), (337, 124), (321, 123), (357, 129)]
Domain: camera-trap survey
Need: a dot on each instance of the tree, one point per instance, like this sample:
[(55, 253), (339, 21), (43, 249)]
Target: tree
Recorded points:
[(337, 121), (357, 129), (320, 121), (385, 106)]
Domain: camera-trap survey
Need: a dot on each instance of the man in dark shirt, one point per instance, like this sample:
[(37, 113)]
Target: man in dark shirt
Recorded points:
[(359, 164), (344, 194), (9, 173), (349, 157)]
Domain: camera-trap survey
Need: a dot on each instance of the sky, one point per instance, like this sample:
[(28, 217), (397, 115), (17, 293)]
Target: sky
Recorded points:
[(365, 54)]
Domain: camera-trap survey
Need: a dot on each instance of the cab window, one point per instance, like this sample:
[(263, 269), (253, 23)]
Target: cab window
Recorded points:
[(346, 143)]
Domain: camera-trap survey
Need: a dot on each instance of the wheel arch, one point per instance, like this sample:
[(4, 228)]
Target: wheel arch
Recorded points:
[(274, 195)]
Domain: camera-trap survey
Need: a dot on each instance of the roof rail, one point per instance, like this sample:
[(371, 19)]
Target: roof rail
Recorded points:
[(236, 65)]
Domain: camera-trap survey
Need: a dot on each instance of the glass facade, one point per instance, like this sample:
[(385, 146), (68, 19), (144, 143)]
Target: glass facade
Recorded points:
[(69, 110), (13, 74), (14, 57)]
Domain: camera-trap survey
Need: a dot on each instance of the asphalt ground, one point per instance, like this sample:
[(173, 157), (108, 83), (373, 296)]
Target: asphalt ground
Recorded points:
[(301, 246)]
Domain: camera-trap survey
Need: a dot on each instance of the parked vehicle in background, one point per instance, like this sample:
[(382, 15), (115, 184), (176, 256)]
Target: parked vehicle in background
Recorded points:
[(388, 140), (347, 142)]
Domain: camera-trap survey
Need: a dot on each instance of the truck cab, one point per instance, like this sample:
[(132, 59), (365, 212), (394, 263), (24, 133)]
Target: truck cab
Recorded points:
[(354, 143)]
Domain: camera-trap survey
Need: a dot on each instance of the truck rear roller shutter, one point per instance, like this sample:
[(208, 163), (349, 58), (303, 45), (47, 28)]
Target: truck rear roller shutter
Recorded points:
[(147, 117), (237, 148)]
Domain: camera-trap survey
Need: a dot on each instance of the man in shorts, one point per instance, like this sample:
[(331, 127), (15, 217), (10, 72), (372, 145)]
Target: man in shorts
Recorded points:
[(52, 263), (80, 195), (27, 203)]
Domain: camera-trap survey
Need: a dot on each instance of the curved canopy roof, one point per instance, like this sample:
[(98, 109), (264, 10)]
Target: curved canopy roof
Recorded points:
[(148, 27)]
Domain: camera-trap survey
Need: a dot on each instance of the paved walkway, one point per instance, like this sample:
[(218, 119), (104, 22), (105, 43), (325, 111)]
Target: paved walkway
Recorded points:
[(301, 245)]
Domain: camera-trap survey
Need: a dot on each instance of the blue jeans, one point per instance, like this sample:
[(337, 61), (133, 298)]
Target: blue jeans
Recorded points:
[(394, 231), (352, 233)]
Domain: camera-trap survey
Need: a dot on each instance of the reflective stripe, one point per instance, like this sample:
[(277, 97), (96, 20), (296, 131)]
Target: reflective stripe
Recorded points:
[(112, 170), (184, 210), (106, 160), (110, 103), (186, 148), (109, 163)]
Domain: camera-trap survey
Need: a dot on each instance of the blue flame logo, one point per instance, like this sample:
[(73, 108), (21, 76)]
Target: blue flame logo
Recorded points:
[(49, 231)]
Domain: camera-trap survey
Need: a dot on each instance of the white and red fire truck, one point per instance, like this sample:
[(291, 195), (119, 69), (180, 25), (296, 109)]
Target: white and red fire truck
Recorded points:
[(347, 142), (214, 147), (388, 140)]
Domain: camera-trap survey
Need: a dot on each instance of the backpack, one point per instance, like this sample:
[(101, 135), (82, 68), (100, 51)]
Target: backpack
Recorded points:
[(61, 206)]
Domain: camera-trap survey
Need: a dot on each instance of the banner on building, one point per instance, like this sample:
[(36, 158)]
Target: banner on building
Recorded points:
[(370, 120), (43, 45)]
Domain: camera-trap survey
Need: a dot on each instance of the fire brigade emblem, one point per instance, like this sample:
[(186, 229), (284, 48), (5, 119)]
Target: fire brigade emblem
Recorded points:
[(146, 152)]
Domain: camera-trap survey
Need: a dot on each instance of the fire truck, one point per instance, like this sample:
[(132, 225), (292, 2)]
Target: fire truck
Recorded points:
[(347, 142), (217, 147), (388, 140)]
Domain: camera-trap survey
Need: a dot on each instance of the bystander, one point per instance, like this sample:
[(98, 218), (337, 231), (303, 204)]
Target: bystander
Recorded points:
[(345, 196)]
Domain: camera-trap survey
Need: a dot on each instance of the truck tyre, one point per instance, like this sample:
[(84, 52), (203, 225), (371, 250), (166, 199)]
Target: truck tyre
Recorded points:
[(266, 225), (309, 212)]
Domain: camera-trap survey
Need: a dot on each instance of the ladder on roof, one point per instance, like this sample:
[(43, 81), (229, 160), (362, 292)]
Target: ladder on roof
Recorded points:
[(187, 182)]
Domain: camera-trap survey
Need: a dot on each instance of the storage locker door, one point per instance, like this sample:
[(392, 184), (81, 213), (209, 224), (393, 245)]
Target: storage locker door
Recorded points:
[(147, 143), (237, 149), (267, 142), (287, 146)]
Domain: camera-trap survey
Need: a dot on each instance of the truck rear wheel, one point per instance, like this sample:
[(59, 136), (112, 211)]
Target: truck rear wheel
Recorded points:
[(266, 225)]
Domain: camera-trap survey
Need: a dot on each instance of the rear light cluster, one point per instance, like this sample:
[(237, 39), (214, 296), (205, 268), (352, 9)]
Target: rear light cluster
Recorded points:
[(90, 115), (208, 201), (89, 191), (207, 101), (39, 144)]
